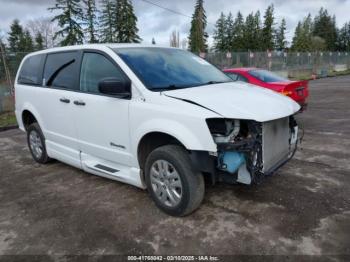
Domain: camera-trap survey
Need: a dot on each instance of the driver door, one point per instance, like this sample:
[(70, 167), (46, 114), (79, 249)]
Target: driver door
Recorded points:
[(101, 120)]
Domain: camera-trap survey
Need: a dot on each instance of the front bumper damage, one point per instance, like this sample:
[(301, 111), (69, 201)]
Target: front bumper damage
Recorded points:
[(255, 151)]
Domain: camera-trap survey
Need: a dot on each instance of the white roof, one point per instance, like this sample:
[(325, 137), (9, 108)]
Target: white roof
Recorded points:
[(97, 46)]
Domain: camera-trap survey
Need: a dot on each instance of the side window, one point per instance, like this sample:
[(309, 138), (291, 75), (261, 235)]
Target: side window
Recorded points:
[(233, 76), (61, 70), (94, 68), (242, 78), (31, 71)]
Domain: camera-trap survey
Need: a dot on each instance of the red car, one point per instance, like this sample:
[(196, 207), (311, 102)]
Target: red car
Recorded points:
[(297, 90)]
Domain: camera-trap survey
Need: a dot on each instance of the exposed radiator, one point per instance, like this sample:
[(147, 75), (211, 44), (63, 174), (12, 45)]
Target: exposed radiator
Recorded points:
[(275, 142)]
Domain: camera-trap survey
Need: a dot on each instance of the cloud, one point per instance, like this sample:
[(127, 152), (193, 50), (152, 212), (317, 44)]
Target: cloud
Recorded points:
[(159, 23), (28, 2)]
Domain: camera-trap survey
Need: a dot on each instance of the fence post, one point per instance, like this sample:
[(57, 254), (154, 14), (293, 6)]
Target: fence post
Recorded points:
[(7, 71)]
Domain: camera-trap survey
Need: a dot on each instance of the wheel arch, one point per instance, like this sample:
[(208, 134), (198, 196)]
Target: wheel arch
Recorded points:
[(28, 116), (152, 140), (192, 136)]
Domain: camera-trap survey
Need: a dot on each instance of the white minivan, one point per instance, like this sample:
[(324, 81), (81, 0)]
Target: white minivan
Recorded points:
[(162, 119)]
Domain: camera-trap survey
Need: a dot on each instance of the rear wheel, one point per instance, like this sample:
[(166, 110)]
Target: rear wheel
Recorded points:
[(171, 181), (36, 143)]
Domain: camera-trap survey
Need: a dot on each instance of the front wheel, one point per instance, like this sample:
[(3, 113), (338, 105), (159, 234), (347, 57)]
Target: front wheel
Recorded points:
[(171, 181)]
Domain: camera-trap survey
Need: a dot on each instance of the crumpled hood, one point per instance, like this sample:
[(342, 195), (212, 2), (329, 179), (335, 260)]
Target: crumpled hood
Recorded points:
[(239, 101)]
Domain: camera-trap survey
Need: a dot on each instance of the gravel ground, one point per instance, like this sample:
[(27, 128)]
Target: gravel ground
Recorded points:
[(302, 210)]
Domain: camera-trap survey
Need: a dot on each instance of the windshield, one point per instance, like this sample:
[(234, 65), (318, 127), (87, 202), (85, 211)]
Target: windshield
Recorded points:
[(167, 68), (267, 76)]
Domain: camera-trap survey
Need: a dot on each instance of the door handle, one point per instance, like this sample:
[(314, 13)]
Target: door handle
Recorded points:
[(65, 100), (79, 103)]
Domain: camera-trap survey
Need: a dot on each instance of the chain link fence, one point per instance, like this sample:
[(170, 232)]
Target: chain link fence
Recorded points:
[(9, 63), (291, 64)]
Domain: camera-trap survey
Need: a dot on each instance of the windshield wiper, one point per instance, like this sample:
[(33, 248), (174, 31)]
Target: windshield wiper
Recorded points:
[(169, 87), (215, 82), (175, 87)]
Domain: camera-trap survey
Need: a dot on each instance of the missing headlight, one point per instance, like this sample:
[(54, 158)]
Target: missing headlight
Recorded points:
[(223, 130)]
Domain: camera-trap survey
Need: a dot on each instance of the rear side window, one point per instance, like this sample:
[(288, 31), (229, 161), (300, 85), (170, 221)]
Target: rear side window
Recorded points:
[(236, 77), (233, 76), (31, 70), (61, 70), (267, 76), (242, 79), (94, 68)]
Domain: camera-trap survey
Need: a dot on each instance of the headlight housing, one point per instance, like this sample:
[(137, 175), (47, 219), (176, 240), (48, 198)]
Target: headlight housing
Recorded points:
[(223, 130)]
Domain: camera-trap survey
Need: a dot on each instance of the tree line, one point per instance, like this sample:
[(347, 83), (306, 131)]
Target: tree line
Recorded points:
[(253, 33), (250, 33), (80, 21)]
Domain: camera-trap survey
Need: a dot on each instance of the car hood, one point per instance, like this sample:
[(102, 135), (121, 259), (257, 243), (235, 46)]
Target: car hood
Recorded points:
[(238, 100)]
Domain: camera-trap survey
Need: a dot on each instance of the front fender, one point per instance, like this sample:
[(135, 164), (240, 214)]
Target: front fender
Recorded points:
[(194, 135)]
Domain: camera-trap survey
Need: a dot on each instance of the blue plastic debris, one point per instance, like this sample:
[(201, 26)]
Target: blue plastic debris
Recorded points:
[(231, 161)]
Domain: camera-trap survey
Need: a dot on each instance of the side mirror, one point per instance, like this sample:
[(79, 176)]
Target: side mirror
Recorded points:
[(115, 87)]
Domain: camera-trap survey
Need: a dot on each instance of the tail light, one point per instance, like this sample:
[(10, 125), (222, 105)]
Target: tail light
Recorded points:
[(287, 92)]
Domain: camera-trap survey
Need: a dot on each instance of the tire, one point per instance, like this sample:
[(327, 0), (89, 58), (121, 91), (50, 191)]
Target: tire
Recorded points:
[(176, 161), (36, 144)]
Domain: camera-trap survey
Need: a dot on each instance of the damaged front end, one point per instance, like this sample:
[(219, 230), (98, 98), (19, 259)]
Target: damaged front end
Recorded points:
[(248, 150)]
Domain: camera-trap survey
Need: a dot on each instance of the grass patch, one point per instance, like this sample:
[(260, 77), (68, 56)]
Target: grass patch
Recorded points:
[(8, 119), (341, 73), (302, 76)]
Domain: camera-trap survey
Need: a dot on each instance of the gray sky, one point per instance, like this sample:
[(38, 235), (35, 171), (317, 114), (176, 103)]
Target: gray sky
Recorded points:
[(158, 23)]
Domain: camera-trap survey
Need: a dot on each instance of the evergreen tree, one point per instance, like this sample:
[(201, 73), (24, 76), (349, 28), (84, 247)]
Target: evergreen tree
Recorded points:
[(307, 33), (197, 39), (230, 32), (257, 34), (344, 38), (297, 37), (346, 33), (39, 41), (220, 34), (126, 23), (249, 36), (2, 46), (153, 41), (302, 40), (16, 36), (238, 43), (281, 42), (90, 18), (325, 27), (28, 45), (69, 21), (108, 26), (19, 40), (268, 29)]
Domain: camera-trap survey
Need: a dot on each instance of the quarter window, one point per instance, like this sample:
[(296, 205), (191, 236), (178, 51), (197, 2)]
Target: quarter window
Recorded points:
[(267, 76), (95, 67), (233, 76), (242, 79), (31, 71), (61, 70)]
